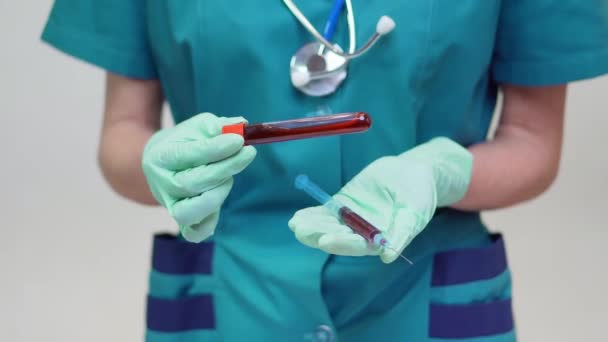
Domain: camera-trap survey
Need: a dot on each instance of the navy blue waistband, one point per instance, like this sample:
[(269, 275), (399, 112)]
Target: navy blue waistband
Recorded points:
[(175, 256), (469, 264), (470, 320), (172, 315)]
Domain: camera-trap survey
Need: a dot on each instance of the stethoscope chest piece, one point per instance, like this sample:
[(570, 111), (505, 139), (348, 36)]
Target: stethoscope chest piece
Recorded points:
[(316, 70)]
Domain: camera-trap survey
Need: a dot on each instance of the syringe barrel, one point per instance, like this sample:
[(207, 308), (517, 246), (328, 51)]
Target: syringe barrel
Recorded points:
[(358, 224), (304, 183)]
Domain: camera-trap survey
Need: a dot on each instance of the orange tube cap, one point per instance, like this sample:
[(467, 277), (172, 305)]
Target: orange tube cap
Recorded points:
[(235, 129)]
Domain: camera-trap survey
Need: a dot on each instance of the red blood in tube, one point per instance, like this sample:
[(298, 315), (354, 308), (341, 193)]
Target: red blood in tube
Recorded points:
[(358, 224), (264, 133)]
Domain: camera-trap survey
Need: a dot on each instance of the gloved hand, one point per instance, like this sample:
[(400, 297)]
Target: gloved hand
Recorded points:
[(397, 194), (189, 170)]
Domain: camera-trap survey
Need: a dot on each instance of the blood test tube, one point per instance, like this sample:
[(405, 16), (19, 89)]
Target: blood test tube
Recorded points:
[(264, 133)]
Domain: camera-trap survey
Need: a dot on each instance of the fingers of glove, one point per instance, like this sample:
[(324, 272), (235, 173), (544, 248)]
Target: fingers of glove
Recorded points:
[(232, 120), (406, 226), (318, 214), (193, 210), (310, 232), (202, 230), (206, 177), (208, 124), (182, 155), (344, 243)]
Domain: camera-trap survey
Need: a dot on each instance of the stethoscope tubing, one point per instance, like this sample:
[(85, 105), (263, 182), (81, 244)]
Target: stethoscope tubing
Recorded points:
[(334, 17), (310, 28)]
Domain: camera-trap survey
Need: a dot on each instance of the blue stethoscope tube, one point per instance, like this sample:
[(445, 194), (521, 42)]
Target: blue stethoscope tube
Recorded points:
[(334, 17)]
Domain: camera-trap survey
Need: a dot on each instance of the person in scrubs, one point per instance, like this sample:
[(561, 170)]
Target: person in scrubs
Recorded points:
[(254, 259)]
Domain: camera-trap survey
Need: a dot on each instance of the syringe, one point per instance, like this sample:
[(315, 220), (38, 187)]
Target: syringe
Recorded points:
[(357, 223)]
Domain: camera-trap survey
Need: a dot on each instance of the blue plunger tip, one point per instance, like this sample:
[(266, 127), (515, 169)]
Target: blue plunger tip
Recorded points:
[(301, 181)]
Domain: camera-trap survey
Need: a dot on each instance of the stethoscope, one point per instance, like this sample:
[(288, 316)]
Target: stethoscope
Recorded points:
[(319, 68)]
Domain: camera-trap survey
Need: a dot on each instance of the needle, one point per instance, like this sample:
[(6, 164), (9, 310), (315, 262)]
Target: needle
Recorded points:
[(401, 255)]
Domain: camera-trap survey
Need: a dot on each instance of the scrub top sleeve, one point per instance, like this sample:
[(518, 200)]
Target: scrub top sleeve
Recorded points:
[(550, 42), (110, 34)]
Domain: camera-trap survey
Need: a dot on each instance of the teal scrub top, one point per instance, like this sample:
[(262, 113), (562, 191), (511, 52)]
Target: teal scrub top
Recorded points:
[(436, 74)]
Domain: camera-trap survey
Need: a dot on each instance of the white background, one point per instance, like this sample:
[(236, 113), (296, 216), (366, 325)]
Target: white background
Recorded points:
[(74, 257)]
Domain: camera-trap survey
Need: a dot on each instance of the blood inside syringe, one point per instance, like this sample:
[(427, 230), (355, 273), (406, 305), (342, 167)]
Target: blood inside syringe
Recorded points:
[(361, 226)]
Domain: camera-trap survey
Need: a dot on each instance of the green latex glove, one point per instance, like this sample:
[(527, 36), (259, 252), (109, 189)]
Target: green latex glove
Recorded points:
[(189, 169), (397, 194)]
